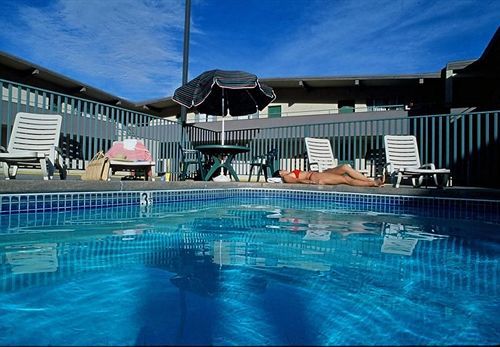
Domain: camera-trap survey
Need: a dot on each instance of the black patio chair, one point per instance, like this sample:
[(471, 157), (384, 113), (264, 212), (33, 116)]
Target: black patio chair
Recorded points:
[(265, 164), (190, 157)]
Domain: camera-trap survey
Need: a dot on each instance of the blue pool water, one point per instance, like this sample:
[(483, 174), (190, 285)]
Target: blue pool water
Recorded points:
[(238, 272)]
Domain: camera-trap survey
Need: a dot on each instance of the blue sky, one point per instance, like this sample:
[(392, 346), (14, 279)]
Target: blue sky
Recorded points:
[(133, 48)]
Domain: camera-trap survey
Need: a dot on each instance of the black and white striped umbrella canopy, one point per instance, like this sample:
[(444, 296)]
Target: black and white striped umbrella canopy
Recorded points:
[(219, 92)]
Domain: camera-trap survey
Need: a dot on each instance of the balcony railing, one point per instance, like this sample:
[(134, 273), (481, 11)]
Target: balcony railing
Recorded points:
[(203, 118)]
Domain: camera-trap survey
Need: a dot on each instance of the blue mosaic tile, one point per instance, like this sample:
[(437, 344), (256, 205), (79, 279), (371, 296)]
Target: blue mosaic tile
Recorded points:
[(425, 206)]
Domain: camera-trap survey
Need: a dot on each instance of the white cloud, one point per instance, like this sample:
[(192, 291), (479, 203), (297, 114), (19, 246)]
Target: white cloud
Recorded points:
[(129, 47), (357, 37), (133, 48)]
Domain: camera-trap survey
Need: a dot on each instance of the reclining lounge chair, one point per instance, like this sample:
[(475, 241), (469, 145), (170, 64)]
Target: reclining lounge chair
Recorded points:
[(320, 154), (403, 161), (131, 155), (34, 143)]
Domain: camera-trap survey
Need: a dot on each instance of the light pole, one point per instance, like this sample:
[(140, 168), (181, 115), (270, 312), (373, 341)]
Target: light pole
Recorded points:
[(185, 59)]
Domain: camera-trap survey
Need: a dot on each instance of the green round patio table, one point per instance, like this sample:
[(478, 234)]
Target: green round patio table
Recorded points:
[(218, 153)]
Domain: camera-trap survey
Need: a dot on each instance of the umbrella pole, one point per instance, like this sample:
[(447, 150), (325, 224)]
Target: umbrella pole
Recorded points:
[(222, 135)]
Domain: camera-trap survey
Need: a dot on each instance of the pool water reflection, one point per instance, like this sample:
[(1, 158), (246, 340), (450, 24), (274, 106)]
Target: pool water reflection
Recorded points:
[(235, 272)]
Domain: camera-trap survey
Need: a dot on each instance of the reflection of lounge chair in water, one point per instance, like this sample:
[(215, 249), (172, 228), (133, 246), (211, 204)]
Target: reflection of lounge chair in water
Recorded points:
[(395, 245), (316, 233), (128, 234), (402, 239), (33, 258)]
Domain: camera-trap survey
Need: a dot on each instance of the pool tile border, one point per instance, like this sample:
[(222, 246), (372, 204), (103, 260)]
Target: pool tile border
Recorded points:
[(400, 204)]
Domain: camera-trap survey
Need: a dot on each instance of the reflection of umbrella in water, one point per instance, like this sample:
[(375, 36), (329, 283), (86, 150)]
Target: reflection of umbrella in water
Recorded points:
[(206, 280), (213, 284), (217, 92), (199, 274)]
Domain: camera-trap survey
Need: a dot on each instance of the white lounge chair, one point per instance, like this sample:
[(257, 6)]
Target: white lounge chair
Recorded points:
[(33, 143), (320, 154), (119, 161), (403, 161), (140, 168)]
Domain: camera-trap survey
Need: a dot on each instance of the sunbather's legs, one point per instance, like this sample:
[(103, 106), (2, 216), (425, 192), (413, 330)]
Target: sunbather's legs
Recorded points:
[(366, 182), (333, 179), (328, 178), (345, 169)]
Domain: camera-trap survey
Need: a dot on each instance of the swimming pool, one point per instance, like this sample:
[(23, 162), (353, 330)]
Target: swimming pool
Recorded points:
[(255, 268)]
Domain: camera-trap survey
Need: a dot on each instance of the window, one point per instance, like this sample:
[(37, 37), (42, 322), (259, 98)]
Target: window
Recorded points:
[(203, 118), (274, 111), (346, 106), (254, 115), (385, 104)]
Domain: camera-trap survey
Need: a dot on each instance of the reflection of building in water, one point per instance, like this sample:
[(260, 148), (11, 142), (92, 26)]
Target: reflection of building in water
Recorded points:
[(198, 250), (38, 221)]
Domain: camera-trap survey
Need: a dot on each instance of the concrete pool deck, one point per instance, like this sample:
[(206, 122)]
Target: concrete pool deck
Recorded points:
[(26, 184)]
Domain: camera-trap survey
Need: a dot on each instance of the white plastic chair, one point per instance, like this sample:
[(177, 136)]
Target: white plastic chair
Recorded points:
[(34, 143), (139, 167), (320, 154), (403, 161)]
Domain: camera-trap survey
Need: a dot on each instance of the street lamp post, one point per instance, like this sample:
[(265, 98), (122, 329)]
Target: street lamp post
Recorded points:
[(185, 60)]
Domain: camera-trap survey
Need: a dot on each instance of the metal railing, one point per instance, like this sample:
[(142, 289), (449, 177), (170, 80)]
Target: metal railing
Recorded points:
[(468, 144), (203, 118), (89, 126)]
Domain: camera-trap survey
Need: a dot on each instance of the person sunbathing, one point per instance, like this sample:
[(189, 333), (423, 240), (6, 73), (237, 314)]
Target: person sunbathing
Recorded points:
[(342, 174)]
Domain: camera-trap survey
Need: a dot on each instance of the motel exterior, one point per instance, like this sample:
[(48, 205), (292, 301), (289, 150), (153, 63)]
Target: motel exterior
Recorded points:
[(453, 113)]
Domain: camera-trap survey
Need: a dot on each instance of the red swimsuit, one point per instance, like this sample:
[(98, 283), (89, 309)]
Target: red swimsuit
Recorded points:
[(296, 172)]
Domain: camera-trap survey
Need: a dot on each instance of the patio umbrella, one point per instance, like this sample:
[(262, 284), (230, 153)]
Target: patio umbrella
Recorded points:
[(219, 92)]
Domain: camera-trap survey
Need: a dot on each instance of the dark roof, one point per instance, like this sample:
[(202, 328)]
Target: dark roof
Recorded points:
[(459, 64), (487, 64), (21, 71), (491, 54), (345, 81)]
